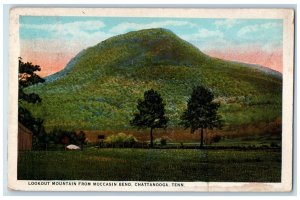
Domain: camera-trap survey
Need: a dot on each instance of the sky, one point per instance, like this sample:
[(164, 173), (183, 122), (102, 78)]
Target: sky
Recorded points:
[(52, 41)]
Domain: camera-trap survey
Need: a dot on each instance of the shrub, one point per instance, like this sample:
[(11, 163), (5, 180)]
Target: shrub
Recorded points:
[(216, 138), (163, 141), (121, 139), (274, 144), (65, 137)]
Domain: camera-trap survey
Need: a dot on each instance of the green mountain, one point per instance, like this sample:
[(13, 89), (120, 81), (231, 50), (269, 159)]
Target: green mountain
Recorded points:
[(99, 88)]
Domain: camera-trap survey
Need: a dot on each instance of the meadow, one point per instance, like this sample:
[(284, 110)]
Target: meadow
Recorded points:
[(131, 164)]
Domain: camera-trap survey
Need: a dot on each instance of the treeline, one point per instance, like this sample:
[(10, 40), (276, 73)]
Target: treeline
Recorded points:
[(58, 139)]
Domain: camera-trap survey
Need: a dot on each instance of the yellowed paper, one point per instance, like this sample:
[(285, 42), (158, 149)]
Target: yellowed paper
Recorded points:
[(261, 38)]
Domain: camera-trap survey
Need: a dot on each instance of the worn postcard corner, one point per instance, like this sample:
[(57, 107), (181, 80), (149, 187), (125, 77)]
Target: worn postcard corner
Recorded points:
[(107, 99)]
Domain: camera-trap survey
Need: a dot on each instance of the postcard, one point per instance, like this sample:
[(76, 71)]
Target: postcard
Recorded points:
[(151, 99)]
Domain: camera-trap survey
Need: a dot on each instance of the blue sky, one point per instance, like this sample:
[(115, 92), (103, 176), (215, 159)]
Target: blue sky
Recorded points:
[(72, 34), (235, 30)]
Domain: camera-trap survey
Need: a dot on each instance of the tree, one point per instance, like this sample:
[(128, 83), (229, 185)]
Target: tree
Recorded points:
[(28, 77), (151, 113), (201, 112), (82, 139)]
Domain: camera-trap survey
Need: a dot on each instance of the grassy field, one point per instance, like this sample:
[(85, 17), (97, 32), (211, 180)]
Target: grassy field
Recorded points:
[(151, 165)]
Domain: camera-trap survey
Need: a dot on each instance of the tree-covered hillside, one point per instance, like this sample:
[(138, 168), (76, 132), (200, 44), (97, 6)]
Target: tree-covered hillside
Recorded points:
[(99, 88)]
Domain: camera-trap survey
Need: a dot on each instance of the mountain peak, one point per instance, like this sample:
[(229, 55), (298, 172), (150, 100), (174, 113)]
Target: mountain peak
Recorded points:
[(153, 30), (156, 46), (150, 33)]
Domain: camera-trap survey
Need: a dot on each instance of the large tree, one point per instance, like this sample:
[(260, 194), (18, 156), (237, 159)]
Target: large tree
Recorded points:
[(151, 113), (201, 112), (27, 77)]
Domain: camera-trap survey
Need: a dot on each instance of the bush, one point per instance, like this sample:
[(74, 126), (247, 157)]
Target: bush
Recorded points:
[(121, 140), (274, 144), (58, 136), (163, 141), (216, 138)]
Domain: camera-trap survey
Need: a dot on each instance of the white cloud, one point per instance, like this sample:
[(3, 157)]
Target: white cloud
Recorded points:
[(69, 37), (84, 25), (217, 43), (66, 45), (127, 26), (244, 31), (227, 23), (224, 45), (69, 30), (204, 34)]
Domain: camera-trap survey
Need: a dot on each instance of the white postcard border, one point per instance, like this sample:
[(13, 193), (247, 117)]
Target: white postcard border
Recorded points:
[(287, 113)]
